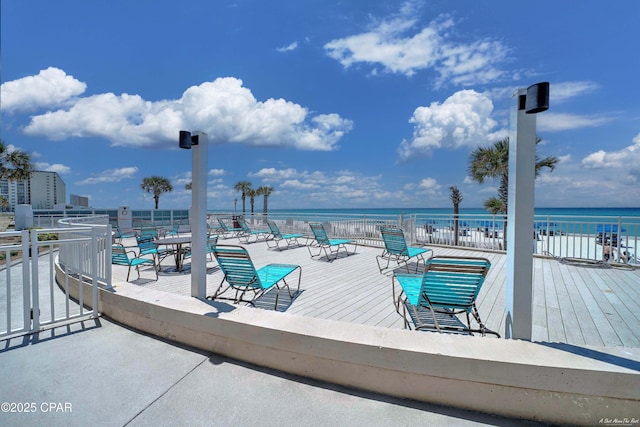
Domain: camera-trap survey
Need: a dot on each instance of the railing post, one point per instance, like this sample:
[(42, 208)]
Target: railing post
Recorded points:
[(35, 285), (619, 239), (107, 256), (94, 269), (26, 282)]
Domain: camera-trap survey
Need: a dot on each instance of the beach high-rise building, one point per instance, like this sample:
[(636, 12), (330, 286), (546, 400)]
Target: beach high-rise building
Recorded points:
[(44, 190), (79, 201)]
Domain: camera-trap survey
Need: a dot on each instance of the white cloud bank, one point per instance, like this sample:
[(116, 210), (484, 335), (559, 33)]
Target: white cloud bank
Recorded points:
[(601, 178), (224, 108), (625, 158), (463, 119), (555, 122), (111, 175), (56, 167), (399, 47), (50, 87), (328, 188)]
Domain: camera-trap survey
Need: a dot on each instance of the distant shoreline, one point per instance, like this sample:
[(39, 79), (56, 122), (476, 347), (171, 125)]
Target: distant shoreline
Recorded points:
[(561, 212)]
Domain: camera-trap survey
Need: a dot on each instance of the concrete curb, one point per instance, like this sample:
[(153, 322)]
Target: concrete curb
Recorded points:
[(511, 378)]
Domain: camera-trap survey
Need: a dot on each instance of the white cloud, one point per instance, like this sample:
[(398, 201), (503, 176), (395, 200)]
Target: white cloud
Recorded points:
[(463, 119), (399, 47), (50, 87), (327, 187), (564, 159), (273, 174), (226, 110), (292, 46), (602, 178), (560, 92), (469, 64), (555, 122), (298, 185), (429, 186), (111, 175), (217, 172), (626, 158), (57, 167)]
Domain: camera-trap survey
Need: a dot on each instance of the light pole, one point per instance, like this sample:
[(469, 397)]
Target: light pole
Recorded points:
[(520, 211), (198, 144)]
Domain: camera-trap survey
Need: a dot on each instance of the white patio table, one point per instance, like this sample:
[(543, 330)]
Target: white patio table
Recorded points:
[(178, 252)]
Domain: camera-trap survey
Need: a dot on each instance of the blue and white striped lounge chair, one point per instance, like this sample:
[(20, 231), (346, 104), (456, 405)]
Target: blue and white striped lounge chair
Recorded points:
[(396, 249), (325, 244), (288, 239), (118, 234), (147, 246), (120, 256), (174, 231), (449, 286), (241, 276), (247, 233), (212, 242), (226, 231)]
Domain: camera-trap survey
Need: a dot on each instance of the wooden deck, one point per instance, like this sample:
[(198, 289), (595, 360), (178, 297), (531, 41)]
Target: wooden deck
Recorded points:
[(573, 304)]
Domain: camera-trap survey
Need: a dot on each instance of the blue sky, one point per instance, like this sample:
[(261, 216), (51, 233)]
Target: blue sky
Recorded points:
[(333, 104)]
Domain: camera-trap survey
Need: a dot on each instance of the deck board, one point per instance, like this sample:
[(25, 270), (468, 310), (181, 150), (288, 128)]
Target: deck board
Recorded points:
[(571, 304)]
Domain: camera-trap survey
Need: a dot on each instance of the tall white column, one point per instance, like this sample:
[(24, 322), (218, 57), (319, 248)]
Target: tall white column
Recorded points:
[(520, 213), (199, 217)]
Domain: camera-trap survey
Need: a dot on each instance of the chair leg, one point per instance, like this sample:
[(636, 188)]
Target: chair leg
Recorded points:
[(217, 291), (482, 328)]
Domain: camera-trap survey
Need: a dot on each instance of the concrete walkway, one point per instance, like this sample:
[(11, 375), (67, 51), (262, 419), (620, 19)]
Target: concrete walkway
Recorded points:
[(102, 374)]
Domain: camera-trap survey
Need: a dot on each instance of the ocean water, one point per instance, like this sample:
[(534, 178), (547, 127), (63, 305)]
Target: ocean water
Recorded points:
[(566, 220), (556, 212)]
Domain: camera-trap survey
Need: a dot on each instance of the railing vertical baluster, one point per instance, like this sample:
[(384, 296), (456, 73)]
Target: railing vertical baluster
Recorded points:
[(7, 258)]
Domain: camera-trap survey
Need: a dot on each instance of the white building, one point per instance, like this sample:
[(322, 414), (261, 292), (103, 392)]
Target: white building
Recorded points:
[(44, 190)]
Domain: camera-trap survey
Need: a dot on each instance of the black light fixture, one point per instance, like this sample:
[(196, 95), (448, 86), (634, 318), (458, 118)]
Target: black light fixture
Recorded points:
[(537, 98), (187, 140)]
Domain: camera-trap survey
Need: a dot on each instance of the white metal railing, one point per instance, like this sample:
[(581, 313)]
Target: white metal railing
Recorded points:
[(87, 258), (17, 318), (32, 299), (586, 237), (553, 235)]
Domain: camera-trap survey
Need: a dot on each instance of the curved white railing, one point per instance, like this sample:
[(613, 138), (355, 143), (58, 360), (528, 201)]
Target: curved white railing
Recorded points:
[(573, 236), (87, 251), (80, 248)]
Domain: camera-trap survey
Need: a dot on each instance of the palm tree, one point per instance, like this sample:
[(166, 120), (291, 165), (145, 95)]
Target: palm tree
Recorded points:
[(157, 185), (188, 186), (494, 205), (456, 199), (493, 162), (252, 198), (4, 203), (242, 187), (266, 191), (14, 164)]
